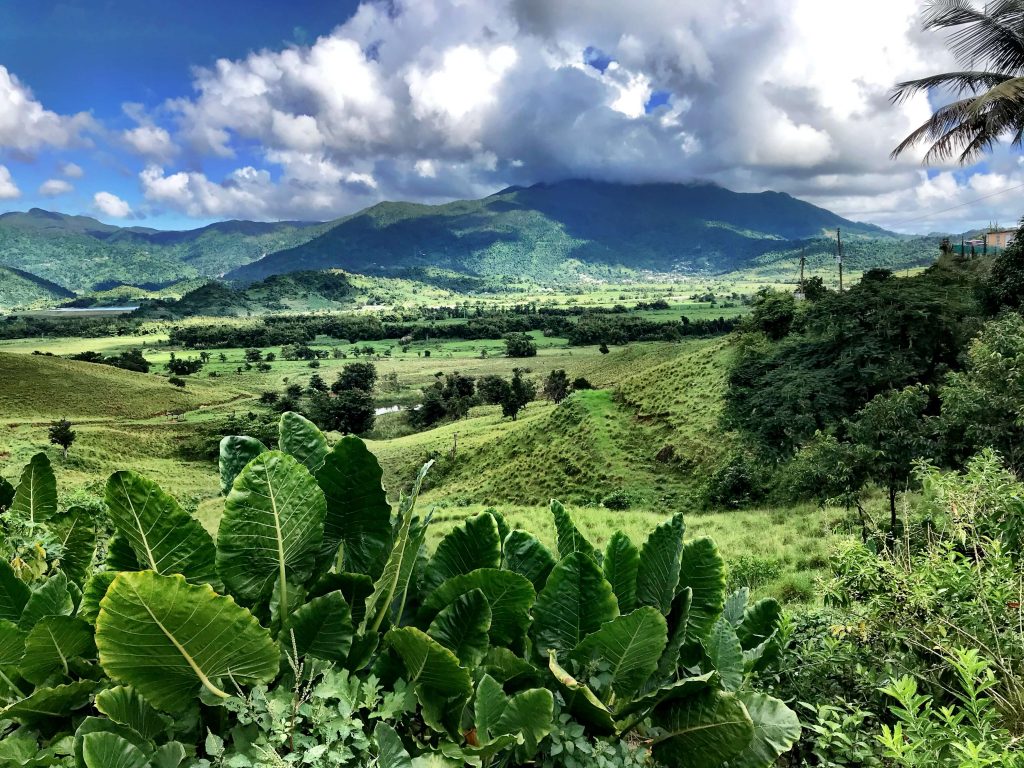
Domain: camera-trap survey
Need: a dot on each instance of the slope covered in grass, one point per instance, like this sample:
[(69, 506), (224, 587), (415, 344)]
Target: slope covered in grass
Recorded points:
[(43, 387), (653, 438)]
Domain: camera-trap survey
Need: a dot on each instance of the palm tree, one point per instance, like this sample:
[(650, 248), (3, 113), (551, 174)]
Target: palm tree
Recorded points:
[(989, 105)]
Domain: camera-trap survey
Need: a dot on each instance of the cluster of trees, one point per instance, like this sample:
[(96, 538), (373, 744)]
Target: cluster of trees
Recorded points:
[(132, 360), (843, 390), (581, 326), (345, 406), (184, 366), (451, 396)]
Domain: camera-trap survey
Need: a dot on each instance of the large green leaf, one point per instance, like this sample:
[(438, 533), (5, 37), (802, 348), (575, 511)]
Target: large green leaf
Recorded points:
[(272, 529), (702, 732), (530, 714), (76, 534), (725, 654), (103, 725), (509, 595), (120, 555), (358, 513), (678, 619), (703, 571), (356, 587), (95, 588), (36, 497), (462, 626), (524, 554), (12, 643), (776, 730), (108, 750), (442, 685), (389, 591), (474, 544), (628, 648), (51, 598), (684, 688), (48, 703), (235, 452), (390, 750), (621, 563), (567, 536), (658, 574), (575, 602), (504, 666), (163, 536), (488, 707), (169, 639), (52, 643), (300, 437), (14, 593), (125, 706), (760, 621), (323, 628), (527, 716)]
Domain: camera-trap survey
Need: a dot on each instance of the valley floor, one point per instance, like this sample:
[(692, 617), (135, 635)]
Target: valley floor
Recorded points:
[(647, 434)]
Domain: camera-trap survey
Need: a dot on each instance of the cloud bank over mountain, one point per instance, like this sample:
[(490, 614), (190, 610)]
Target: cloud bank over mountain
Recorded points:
[(439, 99)]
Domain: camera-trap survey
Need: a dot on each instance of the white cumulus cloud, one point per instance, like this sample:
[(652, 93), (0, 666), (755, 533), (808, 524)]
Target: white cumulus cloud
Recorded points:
[(434, 99), (8, 189), (55, 187), (111, 205), (26, 126), (71, 170)]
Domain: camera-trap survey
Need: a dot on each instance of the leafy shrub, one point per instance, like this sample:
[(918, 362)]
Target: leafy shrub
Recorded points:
[(619, 500), (737, 483), (753, 571), (313, 629)]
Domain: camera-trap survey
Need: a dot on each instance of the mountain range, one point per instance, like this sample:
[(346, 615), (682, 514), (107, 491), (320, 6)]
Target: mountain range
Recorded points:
[(542, 233)]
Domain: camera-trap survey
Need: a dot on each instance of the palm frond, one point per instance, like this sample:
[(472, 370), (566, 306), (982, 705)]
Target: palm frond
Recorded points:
[(957, 82)]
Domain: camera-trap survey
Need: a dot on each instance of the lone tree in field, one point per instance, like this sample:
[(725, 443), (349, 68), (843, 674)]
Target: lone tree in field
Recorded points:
[(988, 42), (356, 376), (519, 345), (62, 434), (556, 386)]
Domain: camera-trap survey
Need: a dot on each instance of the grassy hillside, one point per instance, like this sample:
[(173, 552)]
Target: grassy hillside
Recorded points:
[(558, 231), (648, 434), (39, 387), (80, 253), (20, 289)]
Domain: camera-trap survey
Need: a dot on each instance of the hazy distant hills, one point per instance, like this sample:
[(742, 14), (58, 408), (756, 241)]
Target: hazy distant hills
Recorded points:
[(80, 253), (560, 230), (546, 232)]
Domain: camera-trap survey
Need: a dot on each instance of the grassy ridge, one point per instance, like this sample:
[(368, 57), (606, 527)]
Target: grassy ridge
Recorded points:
[(38, 387)]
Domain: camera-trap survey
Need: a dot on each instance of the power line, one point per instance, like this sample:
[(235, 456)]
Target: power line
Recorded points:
[(959, 205)]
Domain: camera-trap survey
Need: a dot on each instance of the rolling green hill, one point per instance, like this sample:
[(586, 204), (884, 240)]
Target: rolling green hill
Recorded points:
[(43, 387), (19, 288), (81, 253), (562, 230)]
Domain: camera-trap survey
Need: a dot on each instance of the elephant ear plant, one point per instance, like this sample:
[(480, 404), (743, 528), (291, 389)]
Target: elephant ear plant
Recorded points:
[(315, 629)]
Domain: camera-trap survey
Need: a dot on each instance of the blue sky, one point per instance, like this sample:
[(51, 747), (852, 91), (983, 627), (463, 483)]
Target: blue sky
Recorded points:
[(174, 114), (96, 55)]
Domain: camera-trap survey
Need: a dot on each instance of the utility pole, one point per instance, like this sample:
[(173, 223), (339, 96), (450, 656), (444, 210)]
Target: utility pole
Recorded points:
[(803, 259), (839, 257)]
